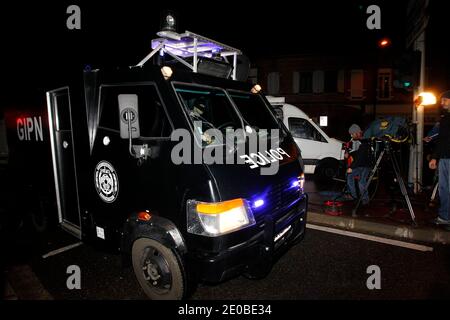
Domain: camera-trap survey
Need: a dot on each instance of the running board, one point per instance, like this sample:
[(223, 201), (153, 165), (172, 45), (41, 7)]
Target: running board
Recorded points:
[(71, 228)]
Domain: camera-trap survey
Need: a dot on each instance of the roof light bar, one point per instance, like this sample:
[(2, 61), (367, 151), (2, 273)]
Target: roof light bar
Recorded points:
[(189, 44)]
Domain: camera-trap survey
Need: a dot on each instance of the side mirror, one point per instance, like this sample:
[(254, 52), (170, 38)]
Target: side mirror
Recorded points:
[(129, 116)]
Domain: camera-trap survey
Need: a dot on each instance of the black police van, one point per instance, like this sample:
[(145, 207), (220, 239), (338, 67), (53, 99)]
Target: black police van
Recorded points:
[(122, 180)]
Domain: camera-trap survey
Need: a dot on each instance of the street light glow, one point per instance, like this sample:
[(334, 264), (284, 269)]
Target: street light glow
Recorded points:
[(427, 99), (385, 42)]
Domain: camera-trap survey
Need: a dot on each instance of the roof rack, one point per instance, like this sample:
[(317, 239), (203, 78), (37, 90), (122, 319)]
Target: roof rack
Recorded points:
[(189, 44)]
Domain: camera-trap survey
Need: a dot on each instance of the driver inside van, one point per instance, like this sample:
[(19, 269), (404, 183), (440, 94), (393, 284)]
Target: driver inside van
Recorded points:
[(198, 110), (197, 114)]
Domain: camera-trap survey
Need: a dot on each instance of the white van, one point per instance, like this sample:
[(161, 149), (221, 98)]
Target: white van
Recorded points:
[(321, 154)]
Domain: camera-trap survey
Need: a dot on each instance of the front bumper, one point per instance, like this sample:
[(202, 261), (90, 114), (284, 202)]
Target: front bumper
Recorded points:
[(259, 251)]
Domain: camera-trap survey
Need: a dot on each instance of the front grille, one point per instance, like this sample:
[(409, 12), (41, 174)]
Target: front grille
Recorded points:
[(279, 199)]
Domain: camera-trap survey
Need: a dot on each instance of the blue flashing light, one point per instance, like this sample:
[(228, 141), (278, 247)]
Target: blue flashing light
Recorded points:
[(258, 203), (295, 184)]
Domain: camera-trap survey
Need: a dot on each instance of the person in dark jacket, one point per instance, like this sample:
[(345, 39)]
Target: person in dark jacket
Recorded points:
[(360, 164), (442, 154)]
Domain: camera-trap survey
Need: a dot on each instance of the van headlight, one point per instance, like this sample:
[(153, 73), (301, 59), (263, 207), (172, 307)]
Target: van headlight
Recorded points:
[(214, 219)]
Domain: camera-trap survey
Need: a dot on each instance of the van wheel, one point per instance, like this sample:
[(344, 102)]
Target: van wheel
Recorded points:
[(158, 270), (327, 169)]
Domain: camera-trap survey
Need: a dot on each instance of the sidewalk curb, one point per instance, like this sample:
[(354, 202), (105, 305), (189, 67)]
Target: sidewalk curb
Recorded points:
[(25, 285), (406, 232), (8, 292)]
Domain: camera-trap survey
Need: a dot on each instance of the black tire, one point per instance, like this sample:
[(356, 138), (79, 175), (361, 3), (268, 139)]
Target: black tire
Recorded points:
[(158, 270), (327, 169)]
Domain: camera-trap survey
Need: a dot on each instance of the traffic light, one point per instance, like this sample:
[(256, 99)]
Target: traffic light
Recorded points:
[(407, 71)]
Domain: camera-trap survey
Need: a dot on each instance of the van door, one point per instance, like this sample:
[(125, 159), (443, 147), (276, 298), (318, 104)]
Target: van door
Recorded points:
[(123, 183), (63, 156)]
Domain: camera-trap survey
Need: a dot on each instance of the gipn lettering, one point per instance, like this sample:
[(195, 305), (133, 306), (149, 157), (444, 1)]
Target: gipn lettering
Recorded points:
[(29, 128)]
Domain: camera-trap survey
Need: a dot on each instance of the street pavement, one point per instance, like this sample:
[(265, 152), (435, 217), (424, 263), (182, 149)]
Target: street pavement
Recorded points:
[(387, 214), (323, 266)]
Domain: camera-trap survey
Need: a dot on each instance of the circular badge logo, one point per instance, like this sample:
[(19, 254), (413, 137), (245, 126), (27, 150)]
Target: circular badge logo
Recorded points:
[(106, 181)]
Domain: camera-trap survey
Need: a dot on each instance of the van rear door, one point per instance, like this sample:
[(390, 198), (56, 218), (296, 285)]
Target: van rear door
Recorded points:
[(63, 156)]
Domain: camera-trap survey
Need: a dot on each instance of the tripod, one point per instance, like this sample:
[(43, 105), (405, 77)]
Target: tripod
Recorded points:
[(387, 150)]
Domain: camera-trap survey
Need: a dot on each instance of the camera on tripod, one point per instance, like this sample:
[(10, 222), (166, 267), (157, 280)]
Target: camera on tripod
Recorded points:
[(384, 134), (391, 129)]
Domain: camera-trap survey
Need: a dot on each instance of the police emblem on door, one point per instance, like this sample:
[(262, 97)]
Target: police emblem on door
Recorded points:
[(106, 181)]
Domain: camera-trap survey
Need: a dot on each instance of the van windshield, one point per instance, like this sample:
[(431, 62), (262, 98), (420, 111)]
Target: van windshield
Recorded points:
[(254, 110), (209, 107)]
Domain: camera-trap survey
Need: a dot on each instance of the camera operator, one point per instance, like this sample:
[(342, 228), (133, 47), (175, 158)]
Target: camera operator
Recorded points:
[(360, 163), (442, 153)]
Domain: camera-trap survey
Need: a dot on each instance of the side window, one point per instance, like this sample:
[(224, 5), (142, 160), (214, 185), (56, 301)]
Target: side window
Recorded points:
[(305, 82), (301, 128), (153, 121), (62, 118), (109, 110), (273, 82)]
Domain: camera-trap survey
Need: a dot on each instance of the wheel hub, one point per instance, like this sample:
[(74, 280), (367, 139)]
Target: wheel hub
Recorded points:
[(152, 271), (156, 270)]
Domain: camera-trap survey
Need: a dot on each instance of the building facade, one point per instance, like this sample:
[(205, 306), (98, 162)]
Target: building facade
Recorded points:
[(347, 89)]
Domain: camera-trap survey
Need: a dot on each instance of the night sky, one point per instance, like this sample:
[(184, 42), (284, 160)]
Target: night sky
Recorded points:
[(38, 49)]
